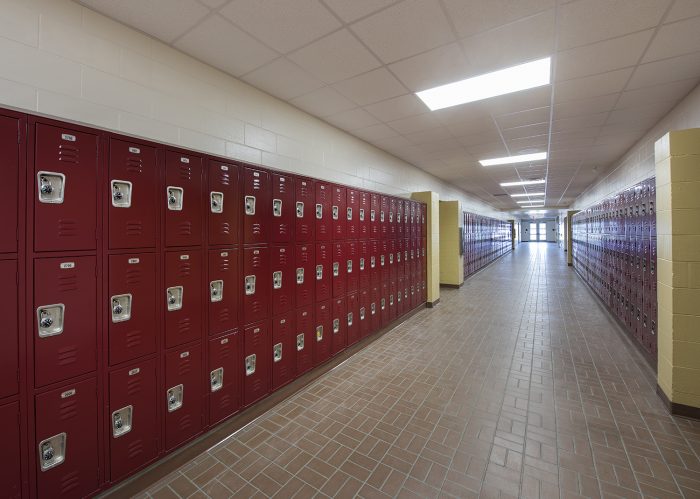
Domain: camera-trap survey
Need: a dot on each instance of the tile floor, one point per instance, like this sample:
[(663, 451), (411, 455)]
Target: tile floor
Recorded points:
[(516, 385)]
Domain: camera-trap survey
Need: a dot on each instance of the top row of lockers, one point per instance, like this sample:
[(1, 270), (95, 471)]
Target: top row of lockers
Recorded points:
[(202, 200)]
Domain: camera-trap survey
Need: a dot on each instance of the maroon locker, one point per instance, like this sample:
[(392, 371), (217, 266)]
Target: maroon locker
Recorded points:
[(65, 201), (352, 212), (132, 321), (305, 209), (183, 192), (393, 264), (323, 271), (256, 362), (322, 333), (392, 218), (283, 279), (256, 284), (363, 223), (423, 220), (339, 270), (351, 266), (375, 315), (304, 339), (304, 274), (424, 285), (324, 227), (406, 219), (133, 178), (283, 219), (374, 224), (353, 318), (133, 418), (384, 308), (10, 462), (66, 441), (384, 269), (384, 217), (393, 305), (339, 325), (224, 207), (339, 212), (9, 340), (363, 267), (9, 168), (183, 297), (225, 382), (374, 269), (405, 257), (65, 339), (414, 219), (400, 303), (399, 219), (283, 349), (183, 396), (256, 195), (365, 317), (223, 290)]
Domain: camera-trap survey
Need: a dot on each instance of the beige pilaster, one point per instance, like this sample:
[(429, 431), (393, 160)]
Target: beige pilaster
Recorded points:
[(433, 243), (451, 262)]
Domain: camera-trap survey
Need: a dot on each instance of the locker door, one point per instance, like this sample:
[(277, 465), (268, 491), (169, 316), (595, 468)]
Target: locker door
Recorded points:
[(339, 270), (10, 472), (351, 265), (133, 418), (363, 223), (339, 325), (405, 257), (182, 297), (183, 195), (256, 284), (384, 270), (65, 191), (363, 267), (374, 308), (9, 169), (131, 303), (283, 349), (400, 304), (399, 219), (305, 209), (393, 264), (257, 345), (256, 204), (323, 271), (322, 333), (364, 313), (224, 206), (392, 218), (353, 318), (223, 290), (374, 269), (183, 395), (304, 339), (423, 220), (384, 310), (406, 219), (305, 274), (393, 306), (322, 211), (374, 224), (65, 449), (133, 177), (352, 212), (339, 212), (414, 220), (225, 382), (9, 340), (65, 341), (283, 217), (383, 217), (283, 278)]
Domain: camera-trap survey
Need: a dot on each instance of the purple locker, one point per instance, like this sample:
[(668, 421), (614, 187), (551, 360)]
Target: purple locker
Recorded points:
[(283, 218), (365, 321), (9, 340), (375, 315), (305, 209), (283, 278), (339, 325), (352, 212), (256, 284), (65, 199), (225, 382), (256, 363), (256, 199), (353, 318), (223, 290), (304, 339), (10, 463), (133, 328), (66, 441), (183, 397), (65, 340), (324, 226), (384, 307), (399, 219), (9, 167), (304, 274), (183, 199), (133, 177), (183, 297), (339, 212), (339, 270), (374, 223), (363, 268), (224, 207), (352, 261), (322, 273), (363, 223), (133, 418), (392, 218), (283, 349), (384, 210), (322, 333)]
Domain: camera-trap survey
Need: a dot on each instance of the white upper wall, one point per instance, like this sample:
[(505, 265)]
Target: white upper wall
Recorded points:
[(60, 59)]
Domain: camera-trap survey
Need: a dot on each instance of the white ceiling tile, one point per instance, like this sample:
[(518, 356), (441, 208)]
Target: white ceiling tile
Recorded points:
[(368, 88), (391, 143), (579, 122), (405, 29), (213, 4), (529, 117), (282, 79), (335, 57), (665, 71), (525, 131), (582, 107), (649, 113), (414, 123), (474, 16), (527, 145), (479, 138), (352, 119), (433, 134), (350, 11), (379, 131), (519, 101), (323, 102), (397, 108), (591, 86), (283, 25), (682, 37), (667, 92), (433, 68), (683, 9)]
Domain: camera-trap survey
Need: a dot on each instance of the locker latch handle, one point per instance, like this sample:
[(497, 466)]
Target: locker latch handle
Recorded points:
[(319, 272), (121, 307), (121, 421), (373, 308), (334, 211), (277, 352), (336, 269), (277, 279), (391, 258), (336, 326), (216, 379), (319, 333), (175, 296), (381, 216), (216, 202), (300, 275), (371, 215), (277, 207), (372, 262), (121, 193), (319, 211), (176, 198), (383, 303), (362, 313), (250, 205), (362, 264), (349, 266), (362, 215), (249, 285), (50, 319), (381, 260), (175, 397), (349, 319), (250, 365), (391, 300), (216, 290), (349, 213), (52, 186), (52, 451), (300, 342)]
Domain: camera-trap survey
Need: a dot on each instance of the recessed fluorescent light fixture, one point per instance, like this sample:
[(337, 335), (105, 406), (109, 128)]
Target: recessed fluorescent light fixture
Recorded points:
[(505, 81), (537, 201), (527, 195), (522, 182), (509, 160)]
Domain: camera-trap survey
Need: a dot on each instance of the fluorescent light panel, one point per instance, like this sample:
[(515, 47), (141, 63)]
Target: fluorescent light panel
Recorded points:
[(509, 160), (527, 195), (522, 182), (505, 81), (528, 202)]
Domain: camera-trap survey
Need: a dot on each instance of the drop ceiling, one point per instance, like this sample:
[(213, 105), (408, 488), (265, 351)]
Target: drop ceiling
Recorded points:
[(618, 67)]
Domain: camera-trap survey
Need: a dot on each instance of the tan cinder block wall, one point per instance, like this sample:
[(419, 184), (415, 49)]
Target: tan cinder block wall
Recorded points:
[(432, 199), (677, 156), (451, 262)]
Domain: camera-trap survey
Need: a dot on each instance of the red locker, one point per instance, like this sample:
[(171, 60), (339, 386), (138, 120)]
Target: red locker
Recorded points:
[(9, 168), (399, 219), (256, 284), (133, 418), (352, 265), (363, 265), (423, 220), (322, 330), (283, 279), (323, 271), (374, 224), (393, 305), (283, 219), (183, 396), (225, 382), (363, 223), (133, 177), (392, 218), (283, 349), (374, 269), (66, 441), (223, 290), (384, 217), (9, 340), (305, 279), (384, 307), (384, 270), (339, 212), (305, 209), (400, 303), (352, 212), (339, 325), (65, 339), (406, 219), (424, 286), (224, 207), (304, 339), (353, 318), (10, 462), (414, 220), (183, 216), (183, 297), (393, 264), (339, 270), (256, 198), (133, 328), (65, 200), (374, 308), (324, 227), (256, 363), (406, 258), (365, 318)]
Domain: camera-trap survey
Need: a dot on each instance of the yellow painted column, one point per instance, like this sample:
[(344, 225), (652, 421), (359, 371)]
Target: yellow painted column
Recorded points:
[(433, 243), (677, 157), (451, 262)]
